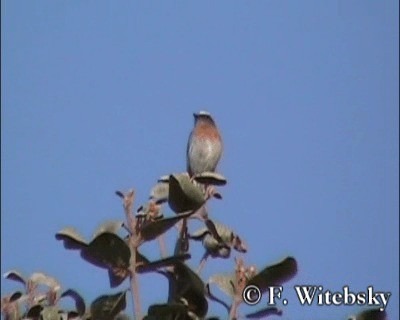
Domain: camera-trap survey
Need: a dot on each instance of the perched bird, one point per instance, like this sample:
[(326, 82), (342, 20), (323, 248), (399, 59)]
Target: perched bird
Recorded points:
[(204, 148)]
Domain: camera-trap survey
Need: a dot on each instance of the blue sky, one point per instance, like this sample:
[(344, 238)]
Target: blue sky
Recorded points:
[(99, 95)]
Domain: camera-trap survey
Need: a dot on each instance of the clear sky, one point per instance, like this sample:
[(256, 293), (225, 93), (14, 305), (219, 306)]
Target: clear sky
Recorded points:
[(99, 95)]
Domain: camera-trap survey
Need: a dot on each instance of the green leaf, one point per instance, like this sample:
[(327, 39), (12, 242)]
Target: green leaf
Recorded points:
[(116, 278), (216, 249), (199, 234), (164, 178), (182, 244), (217, 195), (371, 314), (218, 239), (225, 282), (39, 278), (159, 193), (184, 195), (72, 240), (79, 302), (15, 296), (106, 307), (173, 311), (275, 275), (269, 311), (210, 178), (220, 232), (15, 276), (34, 311), (162, 263), (152, 229), (120, 194), (191, 288), (50, 313), (107, 250), (108, 226), (238, 244), (73, 315), (122, 316), (147, 210)]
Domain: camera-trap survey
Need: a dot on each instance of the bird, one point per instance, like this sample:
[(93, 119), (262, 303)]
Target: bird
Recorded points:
[(204, 147)]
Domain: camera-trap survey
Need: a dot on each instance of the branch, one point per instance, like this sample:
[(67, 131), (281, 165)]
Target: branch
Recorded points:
[(133, 244)]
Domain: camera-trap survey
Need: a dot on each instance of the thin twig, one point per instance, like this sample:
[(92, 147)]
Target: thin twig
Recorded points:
[(202, 262), (135, 287), (133, 244), (233, 311), (163, 248)]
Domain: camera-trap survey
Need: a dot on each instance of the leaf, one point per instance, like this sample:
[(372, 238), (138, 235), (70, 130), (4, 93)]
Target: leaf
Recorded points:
[(15, 296), (182, 244), (214, 248), (216, 229), (172, 311), (150, 210), (371, 314), (275, 275), (72, 240), (108, 226), (79, 301), (219, 251), (164, 178), (39, 278), (185, 285), (238, 244), (218, 239), (162, 263), (119, 194), (117, 276), (225, 282), (264, 313), (183, 194), (190, 287), (159, 193), (73, 315), (106, 307), (107, 250), (199, 234), (217, 195), (34, 311), (122, 316), (50, 313), (210, 178), (112, 226), (153, 229), (15, 276), (220, 232)]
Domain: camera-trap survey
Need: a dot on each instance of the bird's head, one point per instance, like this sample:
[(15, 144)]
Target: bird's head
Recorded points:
[(203, 116)]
